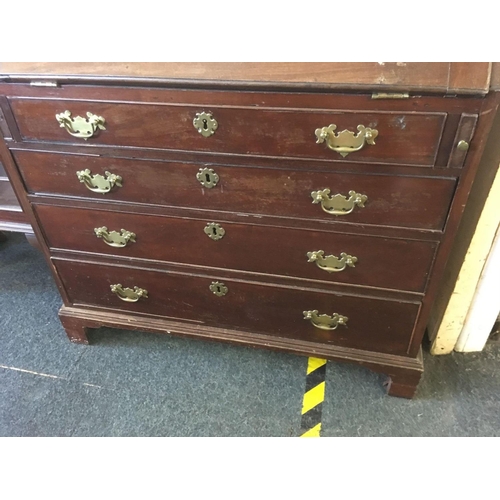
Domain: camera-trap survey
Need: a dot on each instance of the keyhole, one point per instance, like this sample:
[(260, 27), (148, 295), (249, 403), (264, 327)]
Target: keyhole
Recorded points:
[(214, 230), (207, 177), (218, 289), (205, 126)]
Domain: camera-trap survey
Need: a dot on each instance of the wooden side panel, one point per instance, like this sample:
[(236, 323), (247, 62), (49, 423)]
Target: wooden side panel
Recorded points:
[(486, 162), (465, 132)]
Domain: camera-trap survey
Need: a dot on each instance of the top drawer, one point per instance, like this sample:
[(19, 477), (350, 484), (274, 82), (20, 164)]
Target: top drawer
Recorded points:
[(392, 137)]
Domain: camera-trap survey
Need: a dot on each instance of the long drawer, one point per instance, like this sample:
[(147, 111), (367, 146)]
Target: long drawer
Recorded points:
[(316, 255), (398, 137), (369, 323), (400, 201)]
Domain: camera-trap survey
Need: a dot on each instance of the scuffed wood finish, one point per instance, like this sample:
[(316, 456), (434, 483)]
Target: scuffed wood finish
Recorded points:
[(402, 138), (382, 262), (413, 202), (75, 329), (442, 76), (403, 383), (464, 75), (377, 325)]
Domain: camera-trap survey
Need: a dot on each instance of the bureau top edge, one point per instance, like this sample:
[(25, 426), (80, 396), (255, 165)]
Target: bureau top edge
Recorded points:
[(233, 85), (444, 77)]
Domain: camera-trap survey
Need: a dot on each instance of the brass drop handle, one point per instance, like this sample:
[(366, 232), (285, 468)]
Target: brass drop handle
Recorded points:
[(98, 183), (113, 238), (338, 204), (330, 263), (129, 295), (81, 127), (325, 322), (346, 142)]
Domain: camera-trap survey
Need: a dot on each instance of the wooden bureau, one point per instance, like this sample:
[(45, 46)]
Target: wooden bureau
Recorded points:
[(311, 219)]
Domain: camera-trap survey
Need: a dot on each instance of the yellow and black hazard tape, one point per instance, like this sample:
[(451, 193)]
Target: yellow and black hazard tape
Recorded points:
[(314, 396)]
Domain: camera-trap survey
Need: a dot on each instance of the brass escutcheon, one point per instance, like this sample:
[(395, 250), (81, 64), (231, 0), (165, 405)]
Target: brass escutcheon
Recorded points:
[(214, 231), (207, 177), (113, 238), (218, 288), (330, 263), (325, 322), (81, 127), (205, 124), (129, 295), (98, 183), (338, 204), (346, 142)]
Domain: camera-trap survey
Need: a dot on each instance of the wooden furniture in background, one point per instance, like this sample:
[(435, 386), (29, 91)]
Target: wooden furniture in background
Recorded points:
[(12, 217), (222, 213)]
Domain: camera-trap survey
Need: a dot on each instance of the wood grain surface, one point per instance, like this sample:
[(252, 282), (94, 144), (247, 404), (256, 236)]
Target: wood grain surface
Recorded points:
[(374, 324), (401, 201), (410, 138), (444, 76), (382, 262)]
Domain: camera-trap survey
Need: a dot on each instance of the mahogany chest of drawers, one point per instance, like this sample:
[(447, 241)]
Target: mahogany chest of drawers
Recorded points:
[(312, 221)]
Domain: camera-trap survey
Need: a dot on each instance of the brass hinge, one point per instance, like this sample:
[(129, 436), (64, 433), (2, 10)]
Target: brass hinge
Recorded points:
[(390, 95), (44, 83)]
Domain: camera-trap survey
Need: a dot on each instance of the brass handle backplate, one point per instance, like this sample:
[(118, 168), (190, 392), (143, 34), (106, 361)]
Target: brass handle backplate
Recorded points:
[(330, 263), (338, 204), (129, 295), (207, 177), (113, 238), (325, 322), (218, 288), (205, 124), (98, 183), (346, 142), (81, 127)]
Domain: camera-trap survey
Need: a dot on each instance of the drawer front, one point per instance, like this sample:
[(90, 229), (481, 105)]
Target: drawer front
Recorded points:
[(375, 262), (373, 324), (414, 202), (401, 137)]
